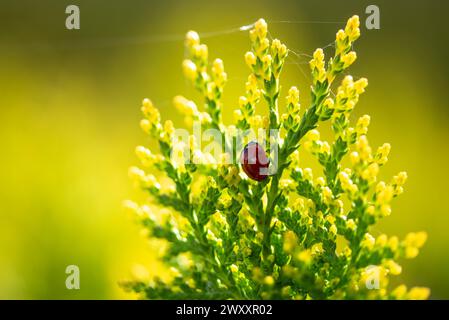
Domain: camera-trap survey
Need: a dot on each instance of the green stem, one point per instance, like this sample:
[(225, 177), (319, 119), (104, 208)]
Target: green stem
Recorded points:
[(308, 122)]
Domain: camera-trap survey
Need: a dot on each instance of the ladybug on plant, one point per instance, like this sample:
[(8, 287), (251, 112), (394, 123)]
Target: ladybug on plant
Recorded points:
[(254, 161)]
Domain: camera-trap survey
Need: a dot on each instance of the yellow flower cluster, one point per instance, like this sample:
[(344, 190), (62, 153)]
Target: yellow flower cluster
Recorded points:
[(151, 124), (344, 57), (382, 153), (313, 144), (362, 125), (413, 242), (147, 157), (398, 182), (348, 94), (415, 293), (317, 65), (347, 184), (244, 115), (246, 221), (209, 82), (190, 111), (300, 233), (279, 53), (264, 60), (292, 118), (143, 180)]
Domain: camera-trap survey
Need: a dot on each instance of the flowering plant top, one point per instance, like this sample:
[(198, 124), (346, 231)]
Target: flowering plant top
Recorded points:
[(292, 233)]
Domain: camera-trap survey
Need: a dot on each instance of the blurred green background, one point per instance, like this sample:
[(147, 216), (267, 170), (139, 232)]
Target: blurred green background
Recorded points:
[(69, 111)]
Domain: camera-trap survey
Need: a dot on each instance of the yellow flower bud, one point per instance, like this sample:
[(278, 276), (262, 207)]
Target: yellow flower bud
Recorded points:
[(350, 224), (382, 153), (393, 243), (317, 248), (352, 28), (328, 103), (381, 240), (145, 125), (411, 252), (308, 174), (141, 179), (340, 42), (385, 196), (368, 241), (279, 49), (234, 268), (268, 280), (304, 256), (418, 293), (217, 66), (251, 84), (261, 28), (347, 252), (266, 61), (191, 283), (318, 55), (136, 173), (299, 205), (201, 52), (370, 173), (238, 116), (262, 47), (192, 39), (290, 241), (320, 181), (416, 239), (169, 128), (146, 157), (385, 210), (333, 230), (354, 157), (265, 122), (348, 59), (330, 218), (243, 101), (341, 35), (347, 83), (399, 292), (313, 135), (189, 69), (394, 268), (147, 104), (363, 148), (293, 96), (325, 148), (286, 184), (317, 65), (360, 85), (371, 210), (327, 195), (400, 179), (250, 59), (362, 125), (204, 118), (150, 112), (185, 106)]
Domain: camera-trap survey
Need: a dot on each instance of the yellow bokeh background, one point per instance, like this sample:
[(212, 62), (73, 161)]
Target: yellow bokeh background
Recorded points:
[(69, 111)]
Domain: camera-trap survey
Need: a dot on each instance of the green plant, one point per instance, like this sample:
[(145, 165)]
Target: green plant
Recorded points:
[(288, 236)]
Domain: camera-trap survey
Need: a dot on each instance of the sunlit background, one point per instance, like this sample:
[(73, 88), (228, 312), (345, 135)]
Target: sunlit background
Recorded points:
[(69, 112)]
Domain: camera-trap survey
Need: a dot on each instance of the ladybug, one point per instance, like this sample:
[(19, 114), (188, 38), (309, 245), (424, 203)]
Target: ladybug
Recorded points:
[(254, 161)]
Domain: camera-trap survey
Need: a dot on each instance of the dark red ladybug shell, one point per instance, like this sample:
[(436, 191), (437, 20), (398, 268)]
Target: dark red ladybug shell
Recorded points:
[(254, 161)]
